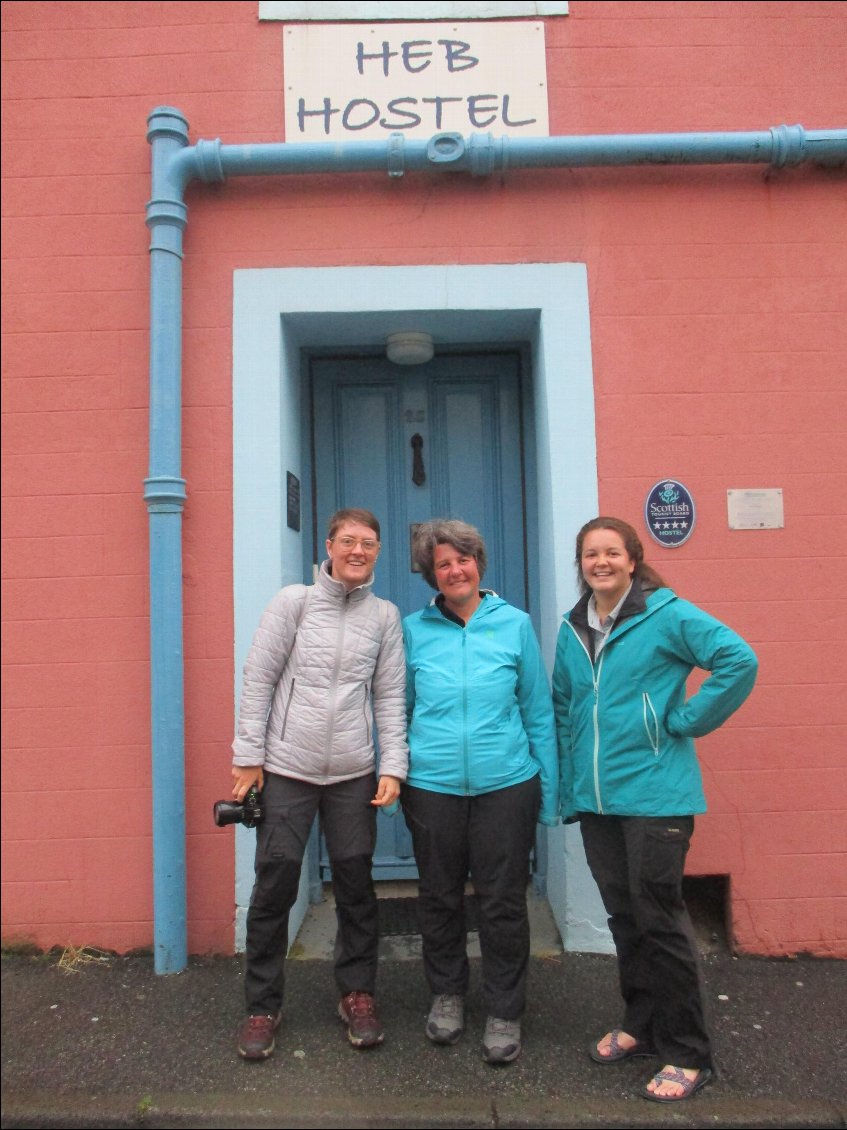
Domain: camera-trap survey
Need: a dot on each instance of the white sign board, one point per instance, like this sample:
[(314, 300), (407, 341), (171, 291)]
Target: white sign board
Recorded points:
[(755, 509), (362, 81)]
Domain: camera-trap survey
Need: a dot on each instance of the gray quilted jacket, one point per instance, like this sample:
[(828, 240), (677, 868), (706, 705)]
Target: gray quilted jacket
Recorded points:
[(318, 674)]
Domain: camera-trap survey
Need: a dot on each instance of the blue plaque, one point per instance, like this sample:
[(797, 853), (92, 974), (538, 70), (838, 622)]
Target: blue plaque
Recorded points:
[(669, 513)]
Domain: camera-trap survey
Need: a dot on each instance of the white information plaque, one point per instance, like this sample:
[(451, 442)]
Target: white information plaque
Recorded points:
[(755, 509), (353, 82)]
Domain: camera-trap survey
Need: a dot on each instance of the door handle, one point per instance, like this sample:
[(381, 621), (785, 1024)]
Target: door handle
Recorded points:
[(418, 472)]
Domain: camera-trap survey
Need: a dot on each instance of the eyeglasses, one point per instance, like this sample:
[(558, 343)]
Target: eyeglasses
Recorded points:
[(367, 544)]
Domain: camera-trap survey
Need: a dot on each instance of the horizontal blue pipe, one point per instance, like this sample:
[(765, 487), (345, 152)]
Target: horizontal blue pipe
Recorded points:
[(481, 154)]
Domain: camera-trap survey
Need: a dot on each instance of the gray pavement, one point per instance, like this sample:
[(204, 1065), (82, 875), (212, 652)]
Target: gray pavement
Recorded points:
[(108, 1043)]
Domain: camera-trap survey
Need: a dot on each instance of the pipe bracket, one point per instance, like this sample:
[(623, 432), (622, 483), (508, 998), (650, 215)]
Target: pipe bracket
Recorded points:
[(396, 155), (164, 494)]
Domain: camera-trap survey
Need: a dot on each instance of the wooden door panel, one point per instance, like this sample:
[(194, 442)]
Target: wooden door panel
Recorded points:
[(466, 411)]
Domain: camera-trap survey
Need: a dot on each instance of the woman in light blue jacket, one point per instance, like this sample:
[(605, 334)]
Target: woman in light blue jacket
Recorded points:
[(629, 774), (482, 771)]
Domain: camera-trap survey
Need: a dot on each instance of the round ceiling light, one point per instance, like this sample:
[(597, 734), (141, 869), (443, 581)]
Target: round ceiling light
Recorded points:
[(409, 347)]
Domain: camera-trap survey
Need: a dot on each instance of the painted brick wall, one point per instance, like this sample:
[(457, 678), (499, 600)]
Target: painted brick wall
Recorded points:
[(719, 316)]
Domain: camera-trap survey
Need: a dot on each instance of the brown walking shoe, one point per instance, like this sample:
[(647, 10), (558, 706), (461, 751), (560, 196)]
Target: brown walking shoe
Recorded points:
[(256, 1039), (358, 1011)]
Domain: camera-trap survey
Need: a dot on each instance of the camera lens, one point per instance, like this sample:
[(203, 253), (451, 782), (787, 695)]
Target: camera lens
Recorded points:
[(227, 812)]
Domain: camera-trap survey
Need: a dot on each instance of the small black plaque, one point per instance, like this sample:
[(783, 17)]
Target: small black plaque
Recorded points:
[(293, 497)]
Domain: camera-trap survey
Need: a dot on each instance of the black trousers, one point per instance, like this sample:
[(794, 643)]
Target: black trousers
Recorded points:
[(348, 821), (638, 862), (489, 836)]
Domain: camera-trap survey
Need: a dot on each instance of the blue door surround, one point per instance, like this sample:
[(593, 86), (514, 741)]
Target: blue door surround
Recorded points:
[(282, 314)]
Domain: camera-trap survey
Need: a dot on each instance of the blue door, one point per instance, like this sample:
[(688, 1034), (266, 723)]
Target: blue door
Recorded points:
[(442, 439)]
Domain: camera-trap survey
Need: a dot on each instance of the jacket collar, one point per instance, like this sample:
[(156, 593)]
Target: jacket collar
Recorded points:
[(490, 601), (337, 589), (636, 604)]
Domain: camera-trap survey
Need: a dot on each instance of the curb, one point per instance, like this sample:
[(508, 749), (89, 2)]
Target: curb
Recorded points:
[(225, 1111)]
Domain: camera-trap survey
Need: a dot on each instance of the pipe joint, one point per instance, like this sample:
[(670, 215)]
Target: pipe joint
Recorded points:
[(446, 149), (164, 494), (486, 153), (166, 122), (789, 146), (396, 155), (209, 163), (166, 211), (166, 220)]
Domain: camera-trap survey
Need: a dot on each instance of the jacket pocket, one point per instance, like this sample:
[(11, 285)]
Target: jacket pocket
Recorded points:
[(651, 723), (287, 708)]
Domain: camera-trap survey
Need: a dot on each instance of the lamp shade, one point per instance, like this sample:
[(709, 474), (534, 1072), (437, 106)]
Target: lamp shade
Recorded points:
[(409, 347)]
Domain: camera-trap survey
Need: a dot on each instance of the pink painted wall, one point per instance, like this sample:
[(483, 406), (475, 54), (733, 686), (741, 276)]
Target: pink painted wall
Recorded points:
[(719, 317)]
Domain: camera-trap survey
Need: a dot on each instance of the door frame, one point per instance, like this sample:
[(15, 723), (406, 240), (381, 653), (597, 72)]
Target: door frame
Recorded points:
[(280, 312)]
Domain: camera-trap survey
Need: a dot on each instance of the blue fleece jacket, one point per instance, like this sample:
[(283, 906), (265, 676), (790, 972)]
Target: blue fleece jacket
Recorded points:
[(478, 704)]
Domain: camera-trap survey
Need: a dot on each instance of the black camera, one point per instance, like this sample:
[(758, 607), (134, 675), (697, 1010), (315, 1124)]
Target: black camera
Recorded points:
[(249, 813)]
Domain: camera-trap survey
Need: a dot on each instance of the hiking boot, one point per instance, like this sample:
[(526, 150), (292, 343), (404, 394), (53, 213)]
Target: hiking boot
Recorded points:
[(256, 1036), (501, 1042), (358, 1011), (446, 1020)]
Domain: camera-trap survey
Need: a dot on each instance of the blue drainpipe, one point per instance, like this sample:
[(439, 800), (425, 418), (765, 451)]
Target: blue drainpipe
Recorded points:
[(174, 166), (164, 494)]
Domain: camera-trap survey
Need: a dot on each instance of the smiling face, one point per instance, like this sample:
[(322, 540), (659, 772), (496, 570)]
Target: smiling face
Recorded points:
[(457, 577), (606, 566), (353, 551)]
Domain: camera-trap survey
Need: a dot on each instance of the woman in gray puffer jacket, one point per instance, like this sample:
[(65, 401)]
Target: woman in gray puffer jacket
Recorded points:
[(326, 662)]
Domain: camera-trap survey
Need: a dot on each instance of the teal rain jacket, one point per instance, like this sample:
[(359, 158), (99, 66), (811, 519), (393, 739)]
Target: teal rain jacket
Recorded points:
[(624, 727), (478, 704)]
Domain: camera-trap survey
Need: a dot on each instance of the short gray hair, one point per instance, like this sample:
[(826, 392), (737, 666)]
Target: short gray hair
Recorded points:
[(464, 538)]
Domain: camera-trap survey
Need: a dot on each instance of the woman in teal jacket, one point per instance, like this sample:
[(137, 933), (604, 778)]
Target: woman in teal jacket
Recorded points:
[(482, 771), (629, 774)]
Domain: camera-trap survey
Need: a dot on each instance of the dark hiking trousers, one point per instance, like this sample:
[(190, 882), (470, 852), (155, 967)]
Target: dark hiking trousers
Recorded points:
[(348, 821)]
